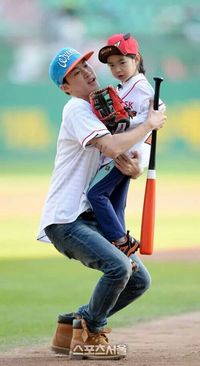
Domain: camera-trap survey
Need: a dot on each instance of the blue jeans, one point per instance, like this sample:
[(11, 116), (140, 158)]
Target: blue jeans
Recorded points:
[(118, 286), (107, 194)]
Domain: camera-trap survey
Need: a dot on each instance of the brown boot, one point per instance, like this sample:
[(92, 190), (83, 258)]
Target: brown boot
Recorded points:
[(63, 333), (88, 345), (62, 339)]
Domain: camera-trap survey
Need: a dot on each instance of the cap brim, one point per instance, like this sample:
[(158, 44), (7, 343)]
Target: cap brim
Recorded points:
[(107, 51), (86, 57)]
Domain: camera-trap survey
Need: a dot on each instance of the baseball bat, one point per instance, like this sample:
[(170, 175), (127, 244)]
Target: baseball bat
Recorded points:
[(148, 214)]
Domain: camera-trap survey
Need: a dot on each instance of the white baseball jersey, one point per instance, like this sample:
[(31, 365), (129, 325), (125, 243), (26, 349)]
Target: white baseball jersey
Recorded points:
[(75, 165), (136, 93)]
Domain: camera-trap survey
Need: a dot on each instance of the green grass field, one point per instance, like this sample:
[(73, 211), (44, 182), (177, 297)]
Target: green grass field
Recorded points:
[(37, 283)]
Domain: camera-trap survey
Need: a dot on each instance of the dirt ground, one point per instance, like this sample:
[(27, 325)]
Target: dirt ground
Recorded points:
[(172, 341)]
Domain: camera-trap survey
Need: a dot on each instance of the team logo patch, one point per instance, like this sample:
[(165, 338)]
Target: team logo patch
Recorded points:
[(117, 44)]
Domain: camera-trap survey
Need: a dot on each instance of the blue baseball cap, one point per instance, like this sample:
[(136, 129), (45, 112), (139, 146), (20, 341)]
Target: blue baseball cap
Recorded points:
[(64, 62)]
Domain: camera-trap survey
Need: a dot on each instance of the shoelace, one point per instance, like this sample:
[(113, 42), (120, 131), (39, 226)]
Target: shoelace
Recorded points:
[(99, 338)]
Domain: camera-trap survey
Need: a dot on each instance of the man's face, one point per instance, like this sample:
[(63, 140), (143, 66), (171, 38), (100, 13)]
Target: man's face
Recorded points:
[(81, 81)]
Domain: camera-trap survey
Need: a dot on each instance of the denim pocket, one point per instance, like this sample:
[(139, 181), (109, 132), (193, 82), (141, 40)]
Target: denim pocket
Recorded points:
[(57, 233)]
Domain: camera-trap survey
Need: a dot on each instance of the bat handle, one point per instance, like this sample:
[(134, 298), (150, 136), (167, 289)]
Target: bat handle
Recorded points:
[(158, 81), (152, 161)]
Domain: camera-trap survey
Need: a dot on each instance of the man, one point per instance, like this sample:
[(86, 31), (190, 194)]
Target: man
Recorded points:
[(67, 219)]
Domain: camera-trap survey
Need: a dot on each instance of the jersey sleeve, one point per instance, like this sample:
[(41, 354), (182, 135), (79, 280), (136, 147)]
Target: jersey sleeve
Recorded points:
[(144, 93), (83, 124)]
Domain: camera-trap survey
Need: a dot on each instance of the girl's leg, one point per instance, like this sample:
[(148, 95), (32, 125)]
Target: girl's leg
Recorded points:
[(99, 194), (118, 199)]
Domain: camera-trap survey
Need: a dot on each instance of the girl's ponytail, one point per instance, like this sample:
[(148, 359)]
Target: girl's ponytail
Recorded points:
[(141, 68)]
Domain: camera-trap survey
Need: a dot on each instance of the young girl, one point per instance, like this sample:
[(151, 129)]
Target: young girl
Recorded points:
[(108, 190)]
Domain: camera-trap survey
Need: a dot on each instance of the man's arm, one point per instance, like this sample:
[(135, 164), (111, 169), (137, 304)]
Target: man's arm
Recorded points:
[(115, 145)]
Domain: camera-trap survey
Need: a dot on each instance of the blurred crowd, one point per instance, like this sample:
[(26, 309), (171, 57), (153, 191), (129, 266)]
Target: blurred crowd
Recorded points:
[(31, 31)]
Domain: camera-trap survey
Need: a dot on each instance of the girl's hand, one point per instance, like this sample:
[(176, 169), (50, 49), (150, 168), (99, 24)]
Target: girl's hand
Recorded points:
[(156, 119)]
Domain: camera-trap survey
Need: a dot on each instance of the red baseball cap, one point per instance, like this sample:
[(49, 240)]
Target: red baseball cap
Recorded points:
[(118, 44)]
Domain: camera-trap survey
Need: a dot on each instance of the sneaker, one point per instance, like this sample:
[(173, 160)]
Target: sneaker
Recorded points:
[(94, 346), (63, 333), (130, 246)]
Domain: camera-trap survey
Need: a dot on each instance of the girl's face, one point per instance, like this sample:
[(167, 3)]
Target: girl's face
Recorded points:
[(123, 67)]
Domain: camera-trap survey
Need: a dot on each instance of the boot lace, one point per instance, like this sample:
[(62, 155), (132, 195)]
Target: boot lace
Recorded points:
[(99, 338)]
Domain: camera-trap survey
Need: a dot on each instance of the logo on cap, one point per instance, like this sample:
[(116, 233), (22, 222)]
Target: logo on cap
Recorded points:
[(117, 44), (64, 58)]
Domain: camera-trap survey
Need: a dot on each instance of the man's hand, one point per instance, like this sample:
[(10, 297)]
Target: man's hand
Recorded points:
[(129, 165)]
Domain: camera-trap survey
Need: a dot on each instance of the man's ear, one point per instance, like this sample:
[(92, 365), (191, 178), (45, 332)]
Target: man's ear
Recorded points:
[(65, 87)]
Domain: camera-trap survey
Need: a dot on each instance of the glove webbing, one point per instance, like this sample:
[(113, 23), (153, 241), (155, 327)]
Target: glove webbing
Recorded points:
[(104, 104)]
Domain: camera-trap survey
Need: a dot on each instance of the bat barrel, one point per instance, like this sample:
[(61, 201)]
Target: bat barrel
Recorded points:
[(148, 217)]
